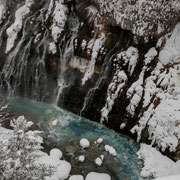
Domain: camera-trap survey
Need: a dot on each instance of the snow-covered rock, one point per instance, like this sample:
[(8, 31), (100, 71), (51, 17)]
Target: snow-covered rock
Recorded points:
[(76, 177), (111, 150), (81, 158), (171, 51), (63, 167), (99, 140), (97, 176), (98, 161), (56, 153), (84, 143), (155, 164)]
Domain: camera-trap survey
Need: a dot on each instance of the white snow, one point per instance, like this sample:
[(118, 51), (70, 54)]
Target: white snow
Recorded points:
[(111, 150), (81, 158), (76, 177), (52, 48), (100, 140), (175, 177), (135, 93), (114, 89), (98, 161), (84, 143), (171, 51), (97, 176), (56, 153), (149, 56), (155, 164), (59, 19), (63, 167), (163, 125), (95, 46), (132, 57), (14, 29)]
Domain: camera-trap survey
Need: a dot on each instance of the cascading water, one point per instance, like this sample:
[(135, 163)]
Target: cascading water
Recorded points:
[(66, 53), (106, 70), (22, 75)]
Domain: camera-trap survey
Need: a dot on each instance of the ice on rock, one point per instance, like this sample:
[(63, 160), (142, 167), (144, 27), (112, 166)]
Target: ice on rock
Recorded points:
[(111, 150), (84, 143), (76, 177), (81, 158), (97, 176)]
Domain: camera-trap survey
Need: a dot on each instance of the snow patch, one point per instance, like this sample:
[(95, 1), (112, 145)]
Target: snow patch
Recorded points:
[(171, 51), (16, 27), (155, 164)]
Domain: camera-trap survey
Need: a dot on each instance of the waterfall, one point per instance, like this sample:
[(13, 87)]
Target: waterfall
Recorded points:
[(20, 74), (106, 70), (66, 53)]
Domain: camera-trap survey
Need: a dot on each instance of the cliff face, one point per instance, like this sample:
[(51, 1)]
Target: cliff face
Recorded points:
[(107, 66)]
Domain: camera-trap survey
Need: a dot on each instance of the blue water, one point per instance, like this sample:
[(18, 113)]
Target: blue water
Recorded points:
[(71, 128)]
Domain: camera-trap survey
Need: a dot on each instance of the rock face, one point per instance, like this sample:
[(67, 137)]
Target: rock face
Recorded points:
[(77, 56)]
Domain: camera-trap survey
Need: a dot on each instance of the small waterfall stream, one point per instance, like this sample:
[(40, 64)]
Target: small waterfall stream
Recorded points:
[(106, 66), (66, 53)]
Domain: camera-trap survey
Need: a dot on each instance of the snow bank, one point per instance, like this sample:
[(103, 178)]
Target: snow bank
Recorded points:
[(97, 176), (63, 168), (155, 164), (171, 51), (163, 126)]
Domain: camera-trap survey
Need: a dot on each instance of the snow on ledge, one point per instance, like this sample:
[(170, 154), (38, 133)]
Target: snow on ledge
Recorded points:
[(155, 164)]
